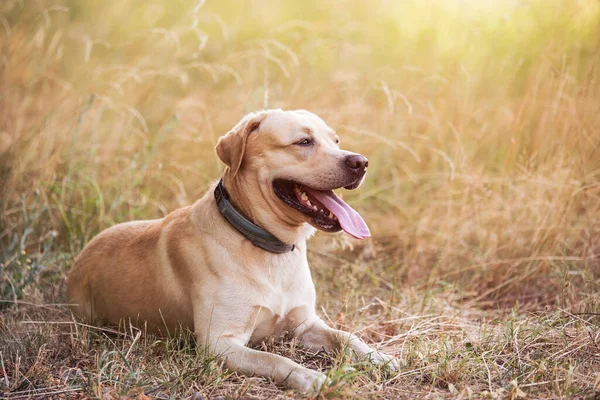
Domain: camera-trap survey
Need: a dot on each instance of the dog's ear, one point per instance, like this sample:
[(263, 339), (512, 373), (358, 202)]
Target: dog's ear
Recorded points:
[(232, 146)]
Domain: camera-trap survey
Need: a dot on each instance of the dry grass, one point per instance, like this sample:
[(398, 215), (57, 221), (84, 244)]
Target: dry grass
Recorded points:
[(482, 124)]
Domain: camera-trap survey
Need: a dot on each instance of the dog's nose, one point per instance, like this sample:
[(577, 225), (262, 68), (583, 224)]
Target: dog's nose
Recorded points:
[(357, 161)]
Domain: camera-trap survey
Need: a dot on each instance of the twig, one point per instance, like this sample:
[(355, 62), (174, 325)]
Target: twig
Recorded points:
[(135, 339), (4, 371), (51, 306), (489, 374), (541, 383), (74, 323), (47, 394)]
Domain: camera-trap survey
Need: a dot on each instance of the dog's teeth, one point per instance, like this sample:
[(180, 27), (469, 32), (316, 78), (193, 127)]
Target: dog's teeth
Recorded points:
[(330, 215), (315, 208), (304, 197), (308, 202)]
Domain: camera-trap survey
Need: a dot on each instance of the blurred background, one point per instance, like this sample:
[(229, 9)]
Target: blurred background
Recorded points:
[(481, 121)]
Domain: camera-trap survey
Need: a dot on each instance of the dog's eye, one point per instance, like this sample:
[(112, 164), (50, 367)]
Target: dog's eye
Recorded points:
[(304, 142)]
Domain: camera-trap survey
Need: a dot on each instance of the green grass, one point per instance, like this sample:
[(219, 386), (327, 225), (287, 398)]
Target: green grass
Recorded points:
[(480, 120)]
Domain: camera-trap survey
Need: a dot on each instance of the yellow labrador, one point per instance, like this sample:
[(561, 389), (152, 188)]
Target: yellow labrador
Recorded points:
[(232, 267)]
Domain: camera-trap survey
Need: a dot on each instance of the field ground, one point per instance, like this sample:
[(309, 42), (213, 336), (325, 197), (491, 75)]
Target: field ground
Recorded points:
[(448, 350), (481, 121)]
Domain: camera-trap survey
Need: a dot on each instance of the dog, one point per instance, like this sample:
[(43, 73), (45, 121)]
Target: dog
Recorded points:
[(232, 267)]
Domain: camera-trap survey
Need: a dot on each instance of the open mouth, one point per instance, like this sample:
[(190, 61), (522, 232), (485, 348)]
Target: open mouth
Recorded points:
[(324, 208)]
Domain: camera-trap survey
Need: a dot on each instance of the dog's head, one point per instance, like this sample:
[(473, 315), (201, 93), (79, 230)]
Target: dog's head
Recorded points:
[(296, 156)]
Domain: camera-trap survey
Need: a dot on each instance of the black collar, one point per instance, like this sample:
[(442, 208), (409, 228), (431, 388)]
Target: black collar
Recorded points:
[(257, 235)]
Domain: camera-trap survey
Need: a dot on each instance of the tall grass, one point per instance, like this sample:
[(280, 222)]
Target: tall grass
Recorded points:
[(481, 121)]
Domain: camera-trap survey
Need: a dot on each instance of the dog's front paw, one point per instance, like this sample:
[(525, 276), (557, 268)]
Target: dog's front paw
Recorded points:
[(306, 380), (383, 359)]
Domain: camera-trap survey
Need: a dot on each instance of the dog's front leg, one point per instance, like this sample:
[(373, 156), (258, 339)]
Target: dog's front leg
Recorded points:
[(282, 370), (227, 338), (316, 336)]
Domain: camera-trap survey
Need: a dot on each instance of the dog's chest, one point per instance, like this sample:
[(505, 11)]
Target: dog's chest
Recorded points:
[(268, 323), (286, 302)]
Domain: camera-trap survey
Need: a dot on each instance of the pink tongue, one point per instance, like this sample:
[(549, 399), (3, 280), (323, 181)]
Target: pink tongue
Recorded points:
[(350, 221)]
